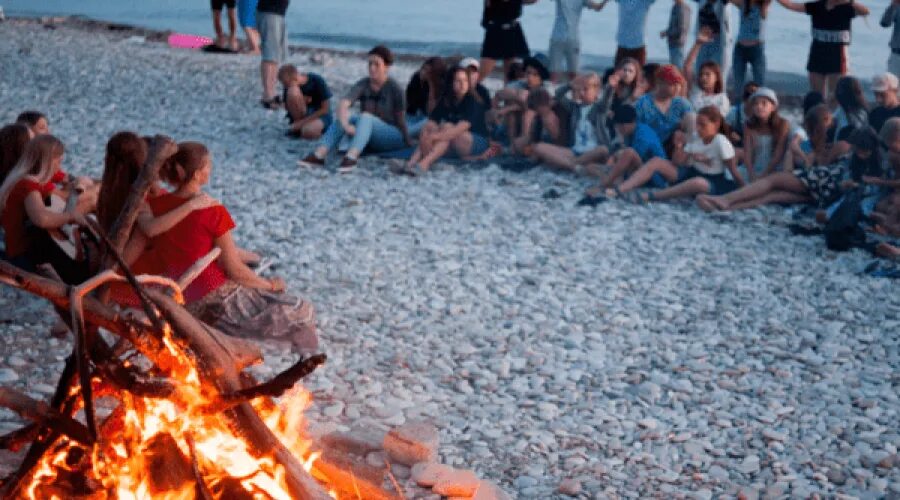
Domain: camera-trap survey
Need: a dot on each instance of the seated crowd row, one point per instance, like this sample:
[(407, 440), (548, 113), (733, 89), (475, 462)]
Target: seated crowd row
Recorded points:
[(652, 126), (175, 228)]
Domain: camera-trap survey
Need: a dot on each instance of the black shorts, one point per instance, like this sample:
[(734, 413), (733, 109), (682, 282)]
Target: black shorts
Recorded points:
[(217, 4), (718, 183), (827, 58), (504, 43)]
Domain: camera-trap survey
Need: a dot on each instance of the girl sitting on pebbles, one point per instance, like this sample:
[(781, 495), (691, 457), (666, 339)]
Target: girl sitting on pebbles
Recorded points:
[(816, 178), (126, 153), (456, 125), (227, 295), (423, 93), (709, 87), (27, 221), (766, 135), (13, 139), (702, 165), (381, 124), (852, 109)]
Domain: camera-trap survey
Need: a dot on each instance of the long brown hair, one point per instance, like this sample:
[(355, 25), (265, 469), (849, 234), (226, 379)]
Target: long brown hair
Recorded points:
[(638, 75), (719, 87), (713, 114), (182, 166), (763, 7), (814, 122), (776, 123), (36, 160), (126, 153), (13, 139)]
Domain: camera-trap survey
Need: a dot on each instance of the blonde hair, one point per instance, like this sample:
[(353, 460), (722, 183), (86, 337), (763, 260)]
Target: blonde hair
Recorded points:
[(36, 161)]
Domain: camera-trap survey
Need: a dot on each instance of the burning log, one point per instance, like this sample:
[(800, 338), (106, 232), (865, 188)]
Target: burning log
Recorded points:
[(218, 359)]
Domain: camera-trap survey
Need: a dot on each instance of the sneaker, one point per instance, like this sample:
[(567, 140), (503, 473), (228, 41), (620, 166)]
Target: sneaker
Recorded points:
[(347, 165), (311, 161)]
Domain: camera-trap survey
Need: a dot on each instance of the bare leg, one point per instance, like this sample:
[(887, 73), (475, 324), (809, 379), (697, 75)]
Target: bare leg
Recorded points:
[(440, 147), (779, 181), (312, 130), (786, 197), (232, 27), (626, 162), (217, 27), (690, 187), (597, 155), (830, 86), (462, 145), (487, 67), (645, 173), (414, 159), (817, 84), (550, 122), (555, 156), (252, 40), (296, 106), (268, 70)]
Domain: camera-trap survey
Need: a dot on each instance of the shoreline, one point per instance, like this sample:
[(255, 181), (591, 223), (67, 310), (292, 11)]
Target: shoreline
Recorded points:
[(790, 87)]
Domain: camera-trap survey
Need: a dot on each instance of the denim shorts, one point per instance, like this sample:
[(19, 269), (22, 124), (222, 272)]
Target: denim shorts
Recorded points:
[(272, 35), (480, 144)]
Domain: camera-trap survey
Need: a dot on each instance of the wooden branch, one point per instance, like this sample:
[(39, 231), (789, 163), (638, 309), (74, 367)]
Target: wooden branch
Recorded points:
[(161, 149), (201, 491), (198, 267), (82, 359), (273, 388), (41, 413), (215, 366), (14, 440), (130, 380)]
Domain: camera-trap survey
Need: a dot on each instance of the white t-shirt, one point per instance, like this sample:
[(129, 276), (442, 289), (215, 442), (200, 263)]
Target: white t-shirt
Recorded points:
[(585, 133), (700, 100), (716, 153)]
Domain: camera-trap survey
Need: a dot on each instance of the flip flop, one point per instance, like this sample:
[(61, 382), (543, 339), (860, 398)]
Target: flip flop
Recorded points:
[(591, 201)]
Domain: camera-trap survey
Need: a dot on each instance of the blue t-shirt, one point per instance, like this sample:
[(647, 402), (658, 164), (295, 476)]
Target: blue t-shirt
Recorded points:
[(662, 124), (632, 21), (646, 143)]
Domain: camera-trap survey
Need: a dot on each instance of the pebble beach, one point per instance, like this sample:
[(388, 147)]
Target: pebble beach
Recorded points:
[(620, 351)]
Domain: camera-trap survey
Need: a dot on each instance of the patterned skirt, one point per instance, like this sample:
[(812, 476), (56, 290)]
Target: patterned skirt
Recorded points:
[(245, 312), (823, 182)]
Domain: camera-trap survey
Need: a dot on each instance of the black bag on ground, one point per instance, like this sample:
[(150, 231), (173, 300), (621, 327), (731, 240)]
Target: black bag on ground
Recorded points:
[(843, 230)]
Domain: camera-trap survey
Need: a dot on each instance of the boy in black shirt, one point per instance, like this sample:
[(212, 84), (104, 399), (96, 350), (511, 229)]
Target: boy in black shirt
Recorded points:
[(306, 97)]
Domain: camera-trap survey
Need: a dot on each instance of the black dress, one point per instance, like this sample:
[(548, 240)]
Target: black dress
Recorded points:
[(503, 35), (831, 36)]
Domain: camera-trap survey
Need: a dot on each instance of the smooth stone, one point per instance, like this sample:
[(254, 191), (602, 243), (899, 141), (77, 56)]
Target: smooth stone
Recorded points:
[(570, 487), (412, 443), (459, 483)]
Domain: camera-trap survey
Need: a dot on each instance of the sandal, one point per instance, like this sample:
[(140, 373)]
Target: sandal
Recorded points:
[(635, 197), (273, 103)]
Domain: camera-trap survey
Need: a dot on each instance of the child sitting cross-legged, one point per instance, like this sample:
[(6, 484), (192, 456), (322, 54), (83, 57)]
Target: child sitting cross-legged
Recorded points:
[(306, 97), (700, 170)]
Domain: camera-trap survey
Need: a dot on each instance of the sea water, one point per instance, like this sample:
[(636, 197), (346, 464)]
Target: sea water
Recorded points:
[(452, 26)]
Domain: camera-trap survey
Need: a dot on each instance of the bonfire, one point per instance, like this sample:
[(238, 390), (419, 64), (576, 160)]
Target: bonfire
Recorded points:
[(156, 404)]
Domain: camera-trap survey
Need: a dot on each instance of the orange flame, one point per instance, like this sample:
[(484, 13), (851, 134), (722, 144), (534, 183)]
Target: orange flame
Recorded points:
[(120, 460)]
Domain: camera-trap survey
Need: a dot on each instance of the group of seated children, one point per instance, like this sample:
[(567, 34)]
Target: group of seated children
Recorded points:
[(177, 226), (673, 130)]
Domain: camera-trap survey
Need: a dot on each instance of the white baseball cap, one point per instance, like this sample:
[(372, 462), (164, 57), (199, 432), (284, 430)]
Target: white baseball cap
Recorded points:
[(468, 62), (885, 82)]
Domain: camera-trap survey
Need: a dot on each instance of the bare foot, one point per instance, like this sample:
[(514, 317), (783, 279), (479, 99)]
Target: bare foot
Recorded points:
[(594, 191), (704, 203), (887, 250), (718, 202)]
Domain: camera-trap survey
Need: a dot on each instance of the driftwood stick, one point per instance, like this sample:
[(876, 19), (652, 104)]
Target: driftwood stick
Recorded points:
[(129, 380), (41, 413), (82, 360), (201, 491), (273, 388), (141, 335), (161, 149), (14, 440), (216, 367)]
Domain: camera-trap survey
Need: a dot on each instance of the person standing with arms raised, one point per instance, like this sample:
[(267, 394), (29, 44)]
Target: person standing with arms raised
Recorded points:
[(273, 36), (503, 35)]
